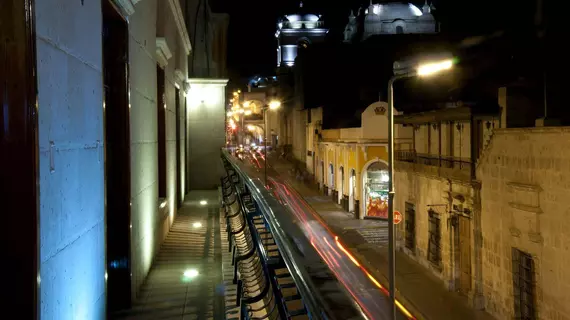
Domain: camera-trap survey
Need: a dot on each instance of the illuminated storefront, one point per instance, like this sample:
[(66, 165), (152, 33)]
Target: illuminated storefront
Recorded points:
[(376, 190)]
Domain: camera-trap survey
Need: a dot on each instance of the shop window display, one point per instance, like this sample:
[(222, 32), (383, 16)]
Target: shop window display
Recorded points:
[(376, 191)]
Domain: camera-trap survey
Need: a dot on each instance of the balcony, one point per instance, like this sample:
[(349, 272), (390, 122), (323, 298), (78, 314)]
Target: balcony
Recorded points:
[(444, 166)]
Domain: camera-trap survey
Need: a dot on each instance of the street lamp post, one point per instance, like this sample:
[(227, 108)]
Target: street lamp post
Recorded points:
[(273, 105), (422, 70), (265, 144)]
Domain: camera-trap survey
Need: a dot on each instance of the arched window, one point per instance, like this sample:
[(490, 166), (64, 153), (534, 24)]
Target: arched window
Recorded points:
[(399, 30)]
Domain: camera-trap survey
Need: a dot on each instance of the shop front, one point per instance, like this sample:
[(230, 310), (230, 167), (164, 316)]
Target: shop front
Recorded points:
[(376, 191)]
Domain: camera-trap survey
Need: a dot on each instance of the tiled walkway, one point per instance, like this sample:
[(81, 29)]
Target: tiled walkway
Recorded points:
[(171, 291), (423, 294)]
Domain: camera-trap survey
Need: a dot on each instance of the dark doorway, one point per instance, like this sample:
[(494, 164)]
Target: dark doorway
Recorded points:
[(117, 158), (186, 142), (161, 126), (464, 254), (410, 226), (179, 192), (19, 157)]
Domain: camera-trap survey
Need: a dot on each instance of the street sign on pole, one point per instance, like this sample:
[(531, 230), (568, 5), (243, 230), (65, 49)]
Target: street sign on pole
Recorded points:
[(398, 217)]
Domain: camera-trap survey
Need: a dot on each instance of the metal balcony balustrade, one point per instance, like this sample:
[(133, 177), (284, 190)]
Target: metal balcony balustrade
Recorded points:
[(432, 160), (279, 275)]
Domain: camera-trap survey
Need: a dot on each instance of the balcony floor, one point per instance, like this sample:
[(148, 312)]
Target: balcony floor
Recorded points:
[(167, 293)]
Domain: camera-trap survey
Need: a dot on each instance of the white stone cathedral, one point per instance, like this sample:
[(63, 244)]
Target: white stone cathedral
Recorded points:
[(391, 18)]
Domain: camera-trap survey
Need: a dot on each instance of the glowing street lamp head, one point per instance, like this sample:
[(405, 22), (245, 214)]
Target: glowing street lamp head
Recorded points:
[(275, 104), (428, 69)]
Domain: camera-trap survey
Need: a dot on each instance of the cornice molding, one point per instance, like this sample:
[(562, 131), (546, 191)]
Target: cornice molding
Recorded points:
[(163, 52), (180, 78), (127, 7), (180, 24), (210, 81)]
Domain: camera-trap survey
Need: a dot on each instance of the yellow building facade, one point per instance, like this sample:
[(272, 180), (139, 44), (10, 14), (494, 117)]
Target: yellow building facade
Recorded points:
[(351, 164)]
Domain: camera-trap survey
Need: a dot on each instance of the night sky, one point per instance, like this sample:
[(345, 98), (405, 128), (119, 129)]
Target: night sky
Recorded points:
[(251, 47)]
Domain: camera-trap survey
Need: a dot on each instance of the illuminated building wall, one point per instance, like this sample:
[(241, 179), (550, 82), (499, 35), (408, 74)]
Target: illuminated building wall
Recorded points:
[(206, 132), (72, 157), (72, 195), (148, 228), (297, 31)]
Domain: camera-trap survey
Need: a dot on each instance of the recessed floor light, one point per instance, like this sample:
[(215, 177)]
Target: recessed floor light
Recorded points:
[(197, 224), (191, 273), (203, 202)]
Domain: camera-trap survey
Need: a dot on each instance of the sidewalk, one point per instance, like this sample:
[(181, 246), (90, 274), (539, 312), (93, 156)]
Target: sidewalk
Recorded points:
[(418, 290)]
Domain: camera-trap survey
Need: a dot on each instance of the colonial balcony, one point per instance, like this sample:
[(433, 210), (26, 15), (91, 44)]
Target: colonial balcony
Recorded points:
[(430, 164)]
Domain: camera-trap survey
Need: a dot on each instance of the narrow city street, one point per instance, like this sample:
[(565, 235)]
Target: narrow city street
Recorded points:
[(420, 292)]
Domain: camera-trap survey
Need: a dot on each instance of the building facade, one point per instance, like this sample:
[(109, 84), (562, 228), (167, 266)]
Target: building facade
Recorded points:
[(107, 89), (128, 133), (350, 164), (296, 32), (207, 79), (438, 193), (390, 18)]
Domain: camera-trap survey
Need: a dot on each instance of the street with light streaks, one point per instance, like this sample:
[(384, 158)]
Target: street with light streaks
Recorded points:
[(370, 295)]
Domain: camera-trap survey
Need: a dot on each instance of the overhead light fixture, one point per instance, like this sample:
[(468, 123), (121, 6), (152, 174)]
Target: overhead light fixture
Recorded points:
[(197, 225), (203, 202)]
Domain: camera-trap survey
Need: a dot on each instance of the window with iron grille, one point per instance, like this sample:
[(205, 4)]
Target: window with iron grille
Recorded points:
[(410, 226), (434, 244), (523, 285)]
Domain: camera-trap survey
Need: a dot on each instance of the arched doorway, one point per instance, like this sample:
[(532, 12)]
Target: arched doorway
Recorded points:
[(331, 178), (351, 190), (375, 180), (341, 187)]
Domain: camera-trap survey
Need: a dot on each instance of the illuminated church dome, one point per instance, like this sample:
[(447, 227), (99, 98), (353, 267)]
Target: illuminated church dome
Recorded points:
[(301, 20), (296, 32), (393, 18)]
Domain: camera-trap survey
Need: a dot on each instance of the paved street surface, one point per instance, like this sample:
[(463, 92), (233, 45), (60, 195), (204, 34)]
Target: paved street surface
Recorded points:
[(167, 293), (420, 292)]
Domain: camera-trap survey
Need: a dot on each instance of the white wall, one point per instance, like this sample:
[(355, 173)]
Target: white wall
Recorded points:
[(206, 132), (70, 99), (144, 187), (152, 17)]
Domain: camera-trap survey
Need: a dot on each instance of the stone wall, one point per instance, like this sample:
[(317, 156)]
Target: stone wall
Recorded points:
[(206, 132), (152, 19), (71, 163), (426, 190), (72, 156), (525, 188)]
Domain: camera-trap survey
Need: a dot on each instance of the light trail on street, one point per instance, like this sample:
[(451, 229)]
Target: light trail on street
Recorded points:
[(367, 291)]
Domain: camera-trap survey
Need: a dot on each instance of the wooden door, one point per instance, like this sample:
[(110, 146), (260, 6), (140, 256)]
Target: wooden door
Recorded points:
[(117, 158), (19, 159), (464, 255)]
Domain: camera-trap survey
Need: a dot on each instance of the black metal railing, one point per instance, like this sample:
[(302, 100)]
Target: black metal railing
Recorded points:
[(264, 255), (433, 160)]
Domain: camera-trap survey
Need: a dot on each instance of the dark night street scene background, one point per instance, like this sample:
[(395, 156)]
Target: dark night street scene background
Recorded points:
[(285, 159)]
